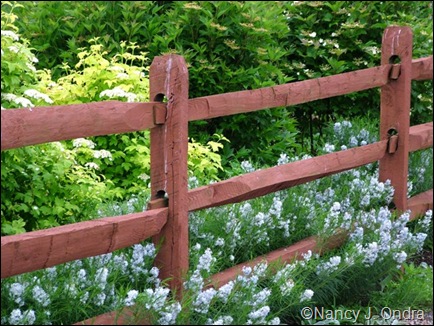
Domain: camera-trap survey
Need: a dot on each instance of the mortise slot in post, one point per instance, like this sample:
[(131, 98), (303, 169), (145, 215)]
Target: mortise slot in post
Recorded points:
[(159, 111), (392, 144), (161, 194), (395, 71), (161, 200)]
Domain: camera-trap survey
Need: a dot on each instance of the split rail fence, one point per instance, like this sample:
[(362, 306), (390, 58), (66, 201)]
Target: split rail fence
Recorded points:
[(167, 219)]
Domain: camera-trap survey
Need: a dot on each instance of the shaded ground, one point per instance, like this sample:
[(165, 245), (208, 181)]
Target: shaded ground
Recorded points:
[(425, 256)]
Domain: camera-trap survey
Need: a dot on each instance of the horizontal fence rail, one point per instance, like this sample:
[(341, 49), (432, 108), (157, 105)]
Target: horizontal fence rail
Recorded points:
[(213, 106), (167, 219), (261, 182), (288, 94), (420, 203), (23, 127), (36, 250), (422, 69)]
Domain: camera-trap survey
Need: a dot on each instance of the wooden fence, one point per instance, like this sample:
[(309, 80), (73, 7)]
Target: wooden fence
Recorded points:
[(168, 219)]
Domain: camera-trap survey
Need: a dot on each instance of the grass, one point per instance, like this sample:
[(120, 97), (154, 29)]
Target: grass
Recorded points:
[(371, 271)]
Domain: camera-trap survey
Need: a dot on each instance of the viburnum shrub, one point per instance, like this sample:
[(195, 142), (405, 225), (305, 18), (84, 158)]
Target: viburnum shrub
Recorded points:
[(42, 186), (123, 77)]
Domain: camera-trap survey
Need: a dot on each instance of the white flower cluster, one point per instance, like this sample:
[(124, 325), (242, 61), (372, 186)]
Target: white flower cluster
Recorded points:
[(41, 296), (247, 166), (224, 320), (156, 298), (306, 295), (283, 159), (118, 92), (170, 313), (38, 95), (102, 154), (206, 260), (202, 302), (10, 34), (329, 148), (131, 297), (22, 102), (330, 266), (19, 318), (225, 290), (82, 142), (138, 259), (388, 237), (92, 165)]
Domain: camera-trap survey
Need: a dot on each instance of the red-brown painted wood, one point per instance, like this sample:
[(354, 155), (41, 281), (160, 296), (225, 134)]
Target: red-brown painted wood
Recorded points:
[(420, 203), (45, 248), (262, 182), (395, 110), (23, 127), (421, 69), (123, 317), (421, 136), (283, 255), (169, 173), (288, 94)]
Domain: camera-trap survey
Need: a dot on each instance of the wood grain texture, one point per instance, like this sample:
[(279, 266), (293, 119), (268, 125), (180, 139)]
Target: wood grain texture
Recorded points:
[(421, 69), (169, 172), (122, 317), (46, 248), (421, 136), (420, 203), (23, 127), (262, 182), (283, 255), (288, 94), (397, 44)]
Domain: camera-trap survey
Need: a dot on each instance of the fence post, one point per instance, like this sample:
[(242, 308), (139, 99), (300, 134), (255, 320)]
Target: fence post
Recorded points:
[(169, 150), (395, 110)]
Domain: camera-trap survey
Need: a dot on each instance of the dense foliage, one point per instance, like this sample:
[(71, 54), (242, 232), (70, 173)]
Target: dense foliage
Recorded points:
[(60, 183), (369, 272), (42, 186), (68, 52), (235, 45), (229, 46)]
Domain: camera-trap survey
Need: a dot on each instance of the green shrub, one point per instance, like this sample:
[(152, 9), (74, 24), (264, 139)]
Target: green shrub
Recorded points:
[(330, 37), (122, 77), (57, 37), (42, 186), (233, 46)]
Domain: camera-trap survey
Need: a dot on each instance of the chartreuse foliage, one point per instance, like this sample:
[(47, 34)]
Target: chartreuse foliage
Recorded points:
[(123, 77), (97, 78), (232, 46), (42, 186), (60, 183)]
